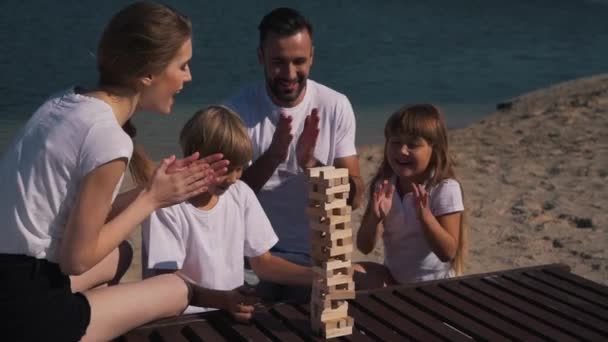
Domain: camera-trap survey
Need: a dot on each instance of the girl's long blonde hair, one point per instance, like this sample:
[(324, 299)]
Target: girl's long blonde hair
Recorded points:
[(425, 121)]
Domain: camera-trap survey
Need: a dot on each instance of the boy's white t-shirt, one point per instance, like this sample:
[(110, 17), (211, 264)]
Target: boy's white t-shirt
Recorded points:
[(407, 254), (66, 138), (284, 197), (208, 246)]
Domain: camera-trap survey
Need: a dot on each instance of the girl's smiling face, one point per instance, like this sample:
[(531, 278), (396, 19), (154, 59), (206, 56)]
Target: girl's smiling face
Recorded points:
[(409, 157)]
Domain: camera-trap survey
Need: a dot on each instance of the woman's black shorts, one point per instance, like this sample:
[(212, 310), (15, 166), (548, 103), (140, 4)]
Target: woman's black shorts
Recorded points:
[(36, 302)]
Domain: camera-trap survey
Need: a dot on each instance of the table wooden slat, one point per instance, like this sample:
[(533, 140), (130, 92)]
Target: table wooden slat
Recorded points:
[(411, 321), (574, 291), (299, 322), (579, 281), (135, 336), (463, 323), (203, 331), (529, 309), (372, 326), (507, 312), (574, 318), (266, 321), (171, 333), (234, 331), (483, 315), (587, 313)]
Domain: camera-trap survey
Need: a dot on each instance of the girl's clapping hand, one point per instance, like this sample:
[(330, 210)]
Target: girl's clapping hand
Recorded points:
[(421, 201), (383, 198)]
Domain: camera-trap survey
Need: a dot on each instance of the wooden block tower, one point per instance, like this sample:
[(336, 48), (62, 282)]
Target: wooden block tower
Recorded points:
[(332, 246)]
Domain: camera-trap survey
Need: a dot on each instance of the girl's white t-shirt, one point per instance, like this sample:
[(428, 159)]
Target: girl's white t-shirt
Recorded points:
[(40, 172), (408, 255), (208, 246)]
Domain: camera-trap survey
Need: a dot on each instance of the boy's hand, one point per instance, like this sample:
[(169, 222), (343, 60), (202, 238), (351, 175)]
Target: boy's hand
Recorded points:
[(240, 302)]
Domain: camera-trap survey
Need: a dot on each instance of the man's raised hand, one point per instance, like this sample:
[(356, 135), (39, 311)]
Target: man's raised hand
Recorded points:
[(279, 147), (305, 148)]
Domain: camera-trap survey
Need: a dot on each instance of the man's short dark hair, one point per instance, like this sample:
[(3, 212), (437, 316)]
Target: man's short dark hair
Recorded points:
[(283, 21)]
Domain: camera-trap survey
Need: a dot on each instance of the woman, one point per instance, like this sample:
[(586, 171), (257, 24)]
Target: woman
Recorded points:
[(61, 174)]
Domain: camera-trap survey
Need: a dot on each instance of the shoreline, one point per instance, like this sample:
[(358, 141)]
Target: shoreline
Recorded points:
[(533, 173)]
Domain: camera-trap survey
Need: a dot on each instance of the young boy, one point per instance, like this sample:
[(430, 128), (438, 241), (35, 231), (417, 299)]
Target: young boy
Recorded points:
[(206, 238)]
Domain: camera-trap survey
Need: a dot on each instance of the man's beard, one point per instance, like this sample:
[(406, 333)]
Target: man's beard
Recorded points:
[(279, 94)]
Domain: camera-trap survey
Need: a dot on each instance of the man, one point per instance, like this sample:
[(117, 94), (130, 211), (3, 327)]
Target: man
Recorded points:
[(294, 123)]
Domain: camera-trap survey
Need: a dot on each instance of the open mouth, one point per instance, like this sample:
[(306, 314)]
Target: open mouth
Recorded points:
[(404, 162), (288, 86)]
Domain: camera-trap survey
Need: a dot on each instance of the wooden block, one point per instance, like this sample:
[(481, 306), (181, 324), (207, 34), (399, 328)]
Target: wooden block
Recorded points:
[(337, 263), (325, 183), (337, 283), (328, 273), (316, 292), (322, 198), (340, 278), (333, 173), (324, 253), (331, 314), (336, 238), (338, 288), (339, 323), (345, 180), (336, 203), (316, 171), (321, 189), (324, 225), (331, 333)]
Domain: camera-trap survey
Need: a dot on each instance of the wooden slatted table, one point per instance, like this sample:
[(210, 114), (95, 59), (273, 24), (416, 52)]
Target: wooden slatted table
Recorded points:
[(528, 304)]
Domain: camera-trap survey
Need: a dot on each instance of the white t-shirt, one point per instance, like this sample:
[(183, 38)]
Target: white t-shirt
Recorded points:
[(407, 254), (208, 246), (41, 170), (284, 196)]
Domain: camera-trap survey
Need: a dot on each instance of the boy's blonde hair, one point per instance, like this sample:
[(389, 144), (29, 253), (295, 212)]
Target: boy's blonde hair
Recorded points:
[(217, 129), (425, 121)]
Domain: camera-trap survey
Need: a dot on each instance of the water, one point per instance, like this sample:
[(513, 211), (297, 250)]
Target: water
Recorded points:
[(462, 55)]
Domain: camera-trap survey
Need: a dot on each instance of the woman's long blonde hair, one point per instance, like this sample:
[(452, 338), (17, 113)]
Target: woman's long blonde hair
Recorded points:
[(425, 121)]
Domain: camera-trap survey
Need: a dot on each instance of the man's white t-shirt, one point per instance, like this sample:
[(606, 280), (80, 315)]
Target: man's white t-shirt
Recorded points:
[(407, 253), (284, 196), (208, 246), (66, 138)]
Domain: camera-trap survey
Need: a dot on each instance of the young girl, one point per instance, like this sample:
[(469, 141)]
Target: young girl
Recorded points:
[(207, 237), (59, 178), (415, 203)]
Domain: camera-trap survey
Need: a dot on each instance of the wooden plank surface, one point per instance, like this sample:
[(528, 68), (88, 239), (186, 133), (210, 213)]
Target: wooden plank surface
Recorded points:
[(575, 320), (530, 304), (483, 314), (503, 310)]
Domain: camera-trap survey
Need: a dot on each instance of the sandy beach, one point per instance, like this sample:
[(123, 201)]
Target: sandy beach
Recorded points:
[(534, 175)]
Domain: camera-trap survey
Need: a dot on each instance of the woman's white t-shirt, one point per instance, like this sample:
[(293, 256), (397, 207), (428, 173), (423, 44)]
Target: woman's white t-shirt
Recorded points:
[(208, 246), (41, 170), (408, 254)]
